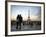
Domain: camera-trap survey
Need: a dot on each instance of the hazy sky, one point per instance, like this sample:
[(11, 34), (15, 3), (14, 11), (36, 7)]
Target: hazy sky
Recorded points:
[(35, 11)]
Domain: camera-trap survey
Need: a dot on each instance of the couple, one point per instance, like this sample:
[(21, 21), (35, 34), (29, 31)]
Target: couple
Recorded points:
[(19, 21)]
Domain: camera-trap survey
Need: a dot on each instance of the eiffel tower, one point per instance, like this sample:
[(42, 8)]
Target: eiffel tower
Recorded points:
[(29, 16)]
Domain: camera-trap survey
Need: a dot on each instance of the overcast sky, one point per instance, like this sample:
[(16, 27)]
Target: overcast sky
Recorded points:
[(35, 11)]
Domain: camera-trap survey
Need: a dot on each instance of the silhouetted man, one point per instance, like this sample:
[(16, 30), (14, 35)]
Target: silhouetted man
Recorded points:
[(19, 21)]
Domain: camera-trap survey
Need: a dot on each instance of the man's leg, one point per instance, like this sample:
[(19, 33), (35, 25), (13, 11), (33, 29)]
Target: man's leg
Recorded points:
[(17, 26)]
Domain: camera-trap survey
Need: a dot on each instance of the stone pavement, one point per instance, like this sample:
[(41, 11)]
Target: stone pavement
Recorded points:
[(26, 27)]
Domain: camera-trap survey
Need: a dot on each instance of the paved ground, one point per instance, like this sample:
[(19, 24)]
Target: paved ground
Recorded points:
[(26, 27)]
